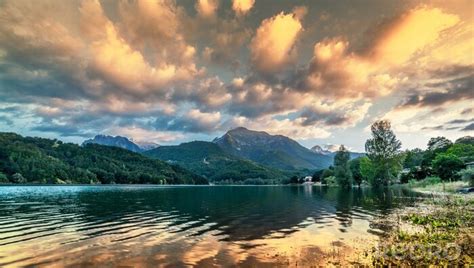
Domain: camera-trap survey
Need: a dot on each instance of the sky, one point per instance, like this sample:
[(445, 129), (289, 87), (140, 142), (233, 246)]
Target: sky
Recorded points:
[(318, 71)]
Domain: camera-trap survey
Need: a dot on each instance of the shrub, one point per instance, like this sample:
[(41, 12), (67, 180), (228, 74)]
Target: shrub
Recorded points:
[(294, 180), (425, 182), (331, 181), (467, 175), (256, 181), (3, 178), (18, 178)]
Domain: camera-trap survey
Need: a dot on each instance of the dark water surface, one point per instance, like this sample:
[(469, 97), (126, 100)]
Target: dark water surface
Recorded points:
[(160, 226)]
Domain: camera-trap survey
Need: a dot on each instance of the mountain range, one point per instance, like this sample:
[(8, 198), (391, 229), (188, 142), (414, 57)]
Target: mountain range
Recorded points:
[(275, 151), (122, 142), (240, 154), (331, 150)]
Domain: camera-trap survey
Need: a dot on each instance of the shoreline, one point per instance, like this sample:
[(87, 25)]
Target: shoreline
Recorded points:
[(436, 231)]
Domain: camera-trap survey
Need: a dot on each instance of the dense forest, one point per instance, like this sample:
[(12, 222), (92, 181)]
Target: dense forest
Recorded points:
[(39, 160), (209, 160)]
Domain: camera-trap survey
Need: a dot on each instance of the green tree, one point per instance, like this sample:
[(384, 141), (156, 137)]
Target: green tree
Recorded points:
[(439, 143), (294, 179), (3, 178), (435, 146), (331, 181), (383, 150), (447, 165), (317, 175), (342, 171), (465, 140), (354, 166), (413, 158), (367, 169), (327, 173), (465, 152)]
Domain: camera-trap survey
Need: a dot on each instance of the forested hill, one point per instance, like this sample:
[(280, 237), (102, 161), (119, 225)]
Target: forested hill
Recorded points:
[(209, 160), (39, 160)]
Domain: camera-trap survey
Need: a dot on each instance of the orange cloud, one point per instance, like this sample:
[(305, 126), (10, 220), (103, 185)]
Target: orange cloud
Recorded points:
[(334, 71), (411, 33), (272, 48), (119, 63), (241, 7), (207, 8)]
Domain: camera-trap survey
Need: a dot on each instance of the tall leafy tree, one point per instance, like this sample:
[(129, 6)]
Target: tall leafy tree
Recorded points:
[(447, 165), (357, 176), (383, 150), (367, 169), (439, 143), (342, 170), (435, 146), (329, 172)]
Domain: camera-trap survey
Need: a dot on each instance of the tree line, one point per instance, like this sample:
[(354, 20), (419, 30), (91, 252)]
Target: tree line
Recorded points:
[(386, 164)]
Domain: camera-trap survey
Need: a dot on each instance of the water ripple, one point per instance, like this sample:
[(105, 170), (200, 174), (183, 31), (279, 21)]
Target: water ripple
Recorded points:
[(87, 224)]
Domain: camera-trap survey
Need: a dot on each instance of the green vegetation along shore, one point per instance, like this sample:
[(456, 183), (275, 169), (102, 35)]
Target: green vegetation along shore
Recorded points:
[(386, 164), (438, 231)]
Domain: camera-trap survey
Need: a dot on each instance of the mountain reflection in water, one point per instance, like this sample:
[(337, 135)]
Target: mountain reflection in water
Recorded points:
[(187, 225)]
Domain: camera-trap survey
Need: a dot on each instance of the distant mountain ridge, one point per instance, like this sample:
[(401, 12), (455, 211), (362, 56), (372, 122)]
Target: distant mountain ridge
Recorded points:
[(146, 145), (275, 151), (319, 150), (122, 142), (331, 150), (255, 150)]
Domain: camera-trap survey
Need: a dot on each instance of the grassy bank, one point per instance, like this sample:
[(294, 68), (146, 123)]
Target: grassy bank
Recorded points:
[(437, 231), (434, 185)]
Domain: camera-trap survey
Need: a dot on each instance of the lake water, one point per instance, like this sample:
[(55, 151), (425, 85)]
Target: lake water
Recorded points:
[(175, 226)]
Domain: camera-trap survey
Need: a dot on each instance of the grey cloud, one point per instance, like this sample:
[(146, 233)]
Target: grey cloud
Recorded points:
[(453, 89), (6, 120), (440, 127), (312, 116), (62, 130), (469, 127), (183, 123), (460, 121)]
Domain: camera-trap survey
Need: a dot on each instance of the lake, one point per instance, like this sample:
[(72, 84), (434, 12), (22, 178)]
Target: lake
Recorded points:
[(178, 226)]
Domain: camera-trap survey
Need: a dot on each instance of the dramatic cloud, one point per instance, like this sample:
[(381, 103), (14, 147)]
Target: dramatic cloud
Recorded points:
[(399, 39), (336, 73), (444, 90), (176, 70), (325, 115), (273, 45), (469, 127), (120, 64)]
